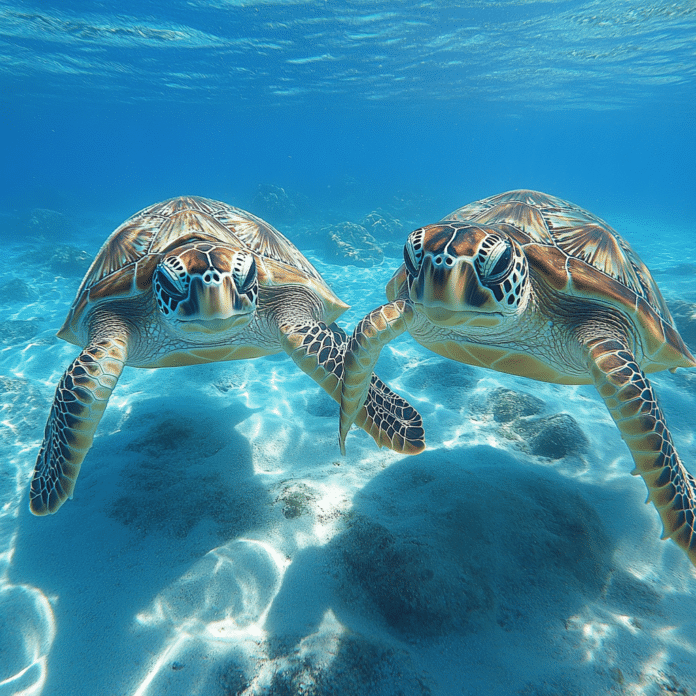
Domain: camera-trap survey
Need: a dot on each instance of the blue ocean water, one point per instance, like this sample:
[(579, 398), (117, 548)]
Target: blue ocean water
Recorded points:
[(136, 101), (267, 564)]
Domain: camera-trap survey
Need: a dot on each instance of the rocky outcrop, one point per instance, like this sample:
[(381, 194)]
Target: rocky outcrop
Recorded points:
[(555, 436), (277, 205), (347, 243)]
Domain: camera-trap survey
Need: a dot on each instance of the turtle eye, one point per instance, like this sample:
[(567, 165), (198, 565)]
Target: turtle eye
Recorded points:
[(171, 284), (172, 279), (494, 260), (413, 252), (244, 271)]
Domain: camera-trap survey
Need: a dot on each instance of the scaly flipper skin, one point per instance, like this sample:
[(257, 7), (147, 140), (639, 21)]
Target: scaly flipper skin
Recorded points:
[(379, 327), (319, 350), (633, 406), (78, 405)]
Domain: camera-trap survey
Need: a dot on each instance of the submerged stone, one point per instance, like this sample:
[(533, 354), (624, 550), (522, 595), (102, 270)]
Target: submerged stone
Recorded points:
[(390, 232), (62, 259), (347, 243), (68, 260), (554, 437), (275, 203), (49, 223), (18, 290), (506, 405)]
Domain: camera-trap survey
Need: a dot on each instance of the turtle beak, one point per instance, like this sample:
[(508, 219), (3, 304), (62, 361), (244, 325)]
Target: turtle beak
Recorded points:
[(213, 299), (214, 306)]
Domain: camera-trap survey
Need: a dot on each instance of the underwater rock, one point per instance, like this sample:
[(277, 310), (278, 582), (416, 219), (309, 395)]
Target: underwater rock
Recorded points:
[(17, 290), (450, 380), (505, 405), (14, 331), (232, 680), (554, 437), (68, 260), (49, 223), (417, 207), (296, 499), (229, 381), (390, 231), (274, 203), (63, 259), (384, 226), (346, 243)]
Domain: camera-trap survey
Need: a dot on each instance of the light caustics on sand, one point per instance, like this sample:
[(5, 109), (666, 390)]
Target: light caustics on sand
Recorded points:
[(27, 633), (223, 599)]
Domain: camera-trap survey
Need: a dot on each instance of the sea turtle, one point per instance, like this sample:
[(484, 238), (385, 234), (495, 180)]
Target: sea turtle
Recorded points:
[(188, 281), (531, 285)]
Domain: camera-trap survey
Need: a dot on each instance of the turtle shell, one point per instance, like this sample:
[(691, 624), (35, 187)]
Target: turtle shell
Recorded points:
[(579, 254), (124, 266)]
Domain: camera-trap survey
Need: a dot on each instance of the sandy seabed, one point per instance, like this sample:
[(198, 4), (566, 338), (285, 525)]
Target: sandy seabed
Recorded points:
[(218, 543)]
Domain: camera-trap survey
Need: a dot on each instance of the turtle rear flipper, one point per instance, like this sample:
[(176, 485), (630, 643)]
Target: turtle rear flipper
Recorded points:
[(78, 405), (630, 398), (319, 350)]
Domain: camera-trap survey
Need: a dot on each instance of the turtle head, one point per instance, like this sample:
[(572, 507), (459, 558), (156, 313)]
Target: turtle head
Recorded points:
[(465, 274), (206, 288)]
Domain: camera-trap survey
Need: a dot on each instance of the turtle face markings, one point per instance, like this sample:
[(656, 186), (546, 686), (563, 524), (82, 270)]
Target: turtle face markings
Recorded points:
[(465, 274), (207, 288)]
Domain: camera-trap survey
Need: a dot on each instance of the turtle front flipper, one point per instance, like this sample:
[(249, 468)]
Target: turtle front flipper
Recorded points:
[(632, 403), (78, 405), (319, 350), (373, 332)]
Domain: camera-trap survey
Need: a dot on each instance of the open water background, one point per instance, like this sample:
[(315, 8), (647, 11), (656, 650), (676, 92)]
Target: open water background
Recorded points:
[(111, 106)]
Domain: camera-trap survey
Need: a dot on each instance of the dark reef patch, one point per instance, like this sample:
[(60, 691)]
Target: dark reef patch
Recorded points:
[(554, 436), (174, 480), (468, 550)]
